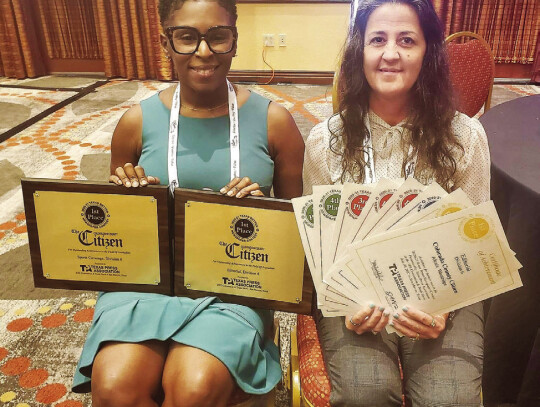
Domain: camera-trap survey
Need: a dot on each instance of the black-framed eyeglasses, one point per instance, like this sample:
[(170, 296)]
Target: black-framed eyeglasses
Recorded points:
[(186, 40)]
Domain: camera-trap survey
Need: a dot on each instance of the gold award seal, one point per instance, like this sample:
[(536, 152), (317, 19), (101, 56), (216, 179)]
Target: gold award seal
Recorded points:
[(475, 228)]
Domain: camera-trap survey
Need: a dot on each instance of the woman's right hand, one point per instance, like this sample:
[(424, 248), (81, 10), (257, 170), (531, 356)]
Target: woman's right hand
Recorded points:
[(371, 318), (241, 187), (130, 176)]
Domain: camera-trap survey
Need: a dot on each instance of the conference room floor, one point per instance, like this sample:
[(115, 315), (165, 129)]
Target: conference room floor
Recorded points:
[(42, 331)]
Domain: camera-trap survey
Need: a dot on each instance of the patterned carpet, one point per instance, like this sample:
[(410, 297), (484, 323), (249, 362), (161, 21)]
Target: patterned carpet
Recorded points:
[(40, 341), (42, 331)]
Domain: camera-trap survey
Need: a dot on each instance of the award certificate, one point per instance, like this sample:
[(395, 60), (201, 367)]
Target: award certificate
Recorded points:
[(440, 265)]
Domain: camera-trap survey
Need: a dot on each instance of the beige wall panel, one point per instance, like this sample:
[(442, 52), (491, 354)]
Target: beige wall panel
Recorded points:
[(315, 34)]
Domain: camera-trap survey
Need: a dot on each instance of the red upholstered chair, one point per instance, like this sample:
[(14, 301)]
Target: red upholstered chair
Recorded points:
[(472, 69), (308, 380)]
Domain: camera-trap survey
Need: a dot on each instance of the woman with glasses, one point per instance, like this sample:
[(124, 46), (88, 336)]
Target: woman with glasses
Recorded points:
[(149, 349), (396, 118)]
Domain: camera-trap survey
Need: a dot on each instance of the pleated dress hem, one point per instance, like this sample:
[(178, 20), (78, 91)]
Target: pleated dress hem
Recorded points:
[(232, 333)]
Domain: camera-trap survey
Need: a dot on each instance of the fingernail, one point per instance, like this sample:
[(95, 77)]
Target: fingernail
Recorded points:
[(230, 193), (239, 195), (143, 182), (381, 308), (386, 313), (371, 305), (391, 323), (128, 184), (119, 182), (253, 192), (135, 183), (222, 190), (405, 309), (396, 315)]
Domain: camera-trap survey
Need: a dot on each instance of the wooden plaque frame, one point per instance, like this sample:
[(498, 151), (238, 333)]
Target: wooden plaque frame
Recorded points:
[(164, 210), (184, 195)]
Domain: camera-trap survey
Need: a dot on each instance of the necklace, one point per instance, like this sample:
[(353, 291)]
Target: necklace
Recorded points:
[(203, 109), (196, 109)]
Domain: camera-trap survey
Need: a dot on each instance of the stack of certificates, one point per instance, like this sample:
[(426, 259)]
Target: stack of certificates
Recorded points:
[(399, 242)]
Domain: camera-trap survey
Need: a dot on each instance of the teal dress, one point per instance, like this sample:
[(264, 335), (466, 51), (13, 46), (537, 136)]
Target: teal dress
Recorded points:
[(242, 342)]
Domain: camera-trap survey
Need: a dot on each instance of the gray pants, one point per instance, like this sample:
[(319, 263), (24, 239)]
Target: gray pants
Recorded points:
[(364, 369)]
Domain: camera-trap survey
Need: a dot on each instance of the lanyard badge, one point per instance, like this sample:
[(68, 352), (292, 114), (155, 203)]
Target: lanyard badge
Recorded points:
[(234, 136)]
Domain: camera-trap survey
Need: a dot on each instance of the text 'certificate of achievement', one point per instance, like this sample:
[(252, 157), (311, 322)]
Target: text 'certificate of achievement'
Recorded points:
[(98, 237), (233, 250)]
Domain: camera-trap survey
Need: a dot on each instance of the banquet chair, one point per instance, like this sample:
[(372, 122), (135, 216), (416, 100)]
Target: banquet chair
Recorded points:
[(335, 92), (472, 69), (307, 379)]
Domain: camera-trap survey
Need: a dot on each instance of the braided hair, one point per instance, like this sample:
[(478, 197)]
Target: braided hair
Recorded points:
[(166, 7)]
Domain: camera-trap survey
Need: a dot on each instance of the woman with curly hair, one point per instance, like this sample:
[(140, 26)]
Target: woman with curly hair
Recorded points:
[(150, 349), (396, 119)]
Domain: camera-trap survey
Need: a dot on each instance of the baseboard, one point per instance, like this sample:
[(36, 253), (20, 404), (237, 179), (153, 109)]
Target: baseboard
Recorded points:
[(504, 70), (267, 77), (512, 81)]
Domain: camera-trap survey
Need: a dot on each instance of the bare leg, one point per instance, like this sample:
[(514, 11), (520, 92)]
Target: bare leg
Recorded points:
[(128, 374), (192, 377)]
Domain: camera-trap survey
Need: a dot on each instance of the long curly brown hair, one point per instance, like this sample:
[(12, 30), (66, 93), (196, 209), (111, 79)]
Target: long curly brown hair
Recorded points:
[(432, 106)]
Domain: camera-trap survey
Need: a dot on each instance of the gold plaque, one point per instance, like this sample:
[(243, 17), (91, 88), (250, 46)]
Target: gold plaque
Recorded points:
[(244, 251), (109, 238), (98, 236)]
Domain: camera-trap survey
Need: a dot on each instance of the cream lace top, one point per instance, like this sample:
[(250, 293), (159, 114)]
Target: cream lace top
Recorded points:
[(322, 166)]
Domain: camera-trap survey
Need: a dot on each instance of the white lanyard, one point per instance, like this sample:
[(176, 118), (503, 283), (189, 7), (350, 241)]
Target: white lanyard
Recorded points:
[(369, 171), (234, 136)]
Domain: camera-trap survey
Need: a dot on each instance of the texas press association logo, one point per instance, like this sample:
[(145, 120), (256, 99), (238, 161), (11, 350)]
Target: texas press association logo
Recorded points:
[(244, 228), (95, 214)]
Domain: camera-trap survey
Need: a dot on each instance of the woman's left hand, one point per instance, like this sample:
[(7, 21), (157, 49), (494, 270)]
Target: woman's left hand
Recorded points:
[(241, 187), (416, 324)]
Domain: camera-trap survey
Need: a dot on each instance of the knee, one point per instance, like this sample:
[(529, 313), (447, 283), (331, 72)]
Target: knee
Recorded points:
[(198, 390), (449, 396), (115, 392), (365, 395)]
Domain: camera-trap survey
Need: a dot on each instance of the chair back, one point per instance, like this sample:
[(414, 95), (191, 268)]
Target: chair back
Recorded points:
[(472, 69), (336, 89), (336, 92)]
